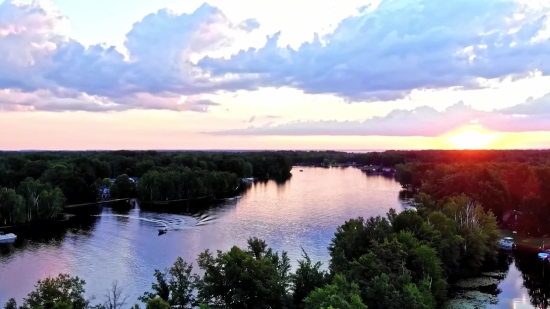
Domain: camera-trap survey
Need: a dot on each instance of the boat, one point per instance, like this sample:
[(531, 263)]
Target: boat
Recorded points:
[(163, 230), (7, 238), (507, 243), (301, 170)]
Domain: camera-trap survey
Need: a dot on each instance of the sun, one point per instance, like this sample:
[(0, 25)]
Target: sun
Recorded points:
[(471, 138)]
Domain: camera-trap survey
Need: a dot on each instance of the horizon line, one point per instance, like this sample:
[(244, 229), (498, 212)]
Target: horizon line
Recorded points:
[(267, 150)]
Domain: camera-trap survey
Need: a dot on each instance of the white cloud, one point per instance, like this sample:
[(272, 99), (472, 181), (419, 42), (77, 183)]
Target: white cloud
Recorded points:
[(38, 60), (405, 45), (379, 54), (422, 121)]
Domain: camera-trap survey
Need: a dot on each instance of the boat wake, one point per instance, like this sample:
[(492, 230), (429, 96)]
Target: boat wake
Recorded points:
[(169, 222), (133, 217)]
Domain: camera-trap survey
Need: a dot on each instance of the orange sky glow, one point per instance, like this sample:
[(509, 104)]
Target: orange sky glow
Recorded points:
[(240, 75)]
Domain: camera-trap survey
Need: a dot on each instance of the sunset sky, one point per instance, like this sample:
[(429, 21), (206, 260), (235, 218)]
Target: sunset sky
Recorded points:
[(264, 74)]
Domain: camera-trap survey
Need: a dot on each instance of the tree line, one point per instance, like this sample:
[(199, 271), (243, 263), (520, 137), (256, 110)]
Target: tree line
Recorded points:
[(31, 201), (405, 260), (77, 177), (80, 175), (184, 184), (510, 190)]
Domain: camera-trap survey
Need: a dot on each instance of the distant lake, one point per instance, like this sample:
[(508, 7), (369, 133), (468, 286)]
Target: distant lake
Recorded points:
[(124, 245)]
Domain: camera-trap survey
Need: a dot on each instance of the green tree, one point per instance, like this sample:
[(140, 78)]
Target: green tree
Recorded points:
[(123, 187), (307, 278), (340, 294), (62, 291), (175, 286), (11, 304), (12, 207), (478, 229), (157, 303), (354, 238), (256, 278)]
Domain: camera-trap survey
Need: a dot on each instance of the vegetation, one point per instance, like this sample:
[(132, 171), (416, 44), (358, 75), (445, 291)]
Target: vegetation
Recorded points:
[(517, 193), (184, 184), (402, 260), (405, 260), (37, 185), (80, 175)]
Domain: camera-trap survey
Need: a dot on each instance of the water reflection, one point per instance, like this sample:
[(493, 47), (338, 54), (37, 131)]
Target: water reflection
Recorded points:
[(536, 278), (121, 241)]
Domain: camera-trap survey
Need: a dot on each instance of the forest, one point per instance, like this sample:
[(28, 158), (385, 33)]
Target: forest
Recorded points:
[(405, 260), (517, 193), (37, 185)]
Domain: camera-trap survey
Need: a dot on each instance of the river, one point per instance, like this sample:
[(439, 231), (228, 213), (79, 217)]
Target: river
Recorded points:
[(124, 245)]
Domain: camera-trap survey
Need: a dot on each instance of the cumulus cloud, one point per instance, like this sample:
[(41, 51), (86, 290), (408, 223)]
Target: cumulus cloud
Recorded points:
[(376, 54), (422, 121), (38, 60), (404, 45), (539, 106)]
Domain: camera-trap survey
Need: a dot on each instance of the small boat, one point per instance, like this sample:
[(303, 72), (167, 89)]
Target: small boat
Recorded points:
[(163, 230), (7, 238), (507, 243), (301, 170)]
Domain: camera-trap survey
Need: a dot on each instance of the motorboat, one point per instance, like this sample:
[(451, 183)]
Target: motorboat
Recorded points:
[(507, 243), (7, 238)]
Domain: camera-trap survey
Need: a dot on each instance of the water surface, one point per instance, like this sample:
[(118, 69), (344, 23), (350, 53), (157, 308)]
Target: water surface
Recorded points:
[(124, 245)]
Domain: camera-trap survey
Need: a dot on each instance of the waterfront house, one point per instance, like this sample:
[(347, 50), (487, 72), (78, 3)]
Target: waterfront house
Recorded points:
[(105, 194)]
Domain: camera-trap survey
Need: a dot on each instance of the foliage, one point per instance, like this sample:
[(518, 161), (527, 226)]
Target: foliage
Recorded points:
[(174, 286), (123, 187), (404, 260), (252, 278), (33, 200), (340, 294), (516, 193), (184, 184), (11, 304), (157, 303), (63, 291), (307, 278)]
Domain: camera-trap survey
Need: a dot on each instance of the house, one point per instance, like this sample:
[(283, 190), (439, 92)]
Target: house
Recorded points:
[(105, 194)]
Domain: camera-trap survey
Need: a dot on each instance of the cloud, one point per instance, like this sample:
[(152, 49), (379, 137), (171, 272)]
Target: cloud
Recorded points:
[(422, 121), (533, 107), (376, 54), (39, 60), (403, 45)]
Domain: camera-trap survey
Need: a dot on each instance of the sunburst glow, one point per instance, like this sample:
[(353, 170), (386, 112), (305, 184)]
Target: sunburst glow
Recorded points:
[(471, 138)]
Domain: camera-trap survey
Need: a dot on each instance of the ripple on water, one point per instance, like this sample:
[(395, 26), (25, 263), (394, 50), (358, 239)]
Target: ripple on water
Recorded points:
[(303, 212)]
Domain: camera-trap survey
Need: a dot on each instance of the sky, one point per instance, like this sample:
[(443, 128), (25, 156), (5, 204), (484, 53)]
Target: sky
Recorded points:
[(264, 74)]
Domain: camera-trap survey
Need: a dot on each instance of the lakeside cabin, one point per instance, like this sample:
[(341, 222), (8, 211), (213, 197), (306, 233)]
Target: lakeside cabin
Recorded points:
[(105, 191)]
